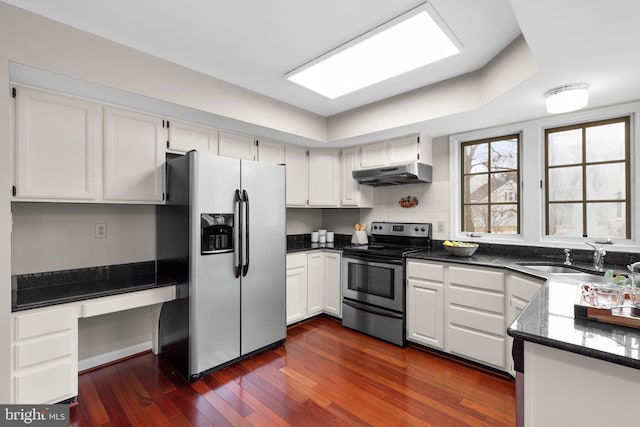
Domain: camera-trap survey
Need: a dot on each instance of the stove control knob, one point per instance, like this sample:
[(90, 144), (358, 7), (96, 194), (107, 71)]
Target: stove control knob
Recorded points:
[(417, 229), (423, 229)]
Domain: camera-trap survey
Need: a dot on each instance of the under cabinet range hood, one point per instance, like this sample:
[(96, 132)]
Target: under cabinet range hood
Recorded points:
[(407, 173)]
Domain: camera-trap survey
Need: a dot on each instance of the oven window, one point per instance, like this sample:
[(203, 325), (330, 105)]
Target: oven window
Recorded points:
[(371, 280)]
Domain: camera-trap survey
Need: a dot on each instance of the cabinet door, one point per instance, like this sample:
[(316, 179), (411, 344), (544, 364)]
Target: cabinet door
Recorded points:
[(296, 287), (374, 155), (57, 140), (353, 194), (185, 137), (425, 313), (133, 156), (236, 145), (324, 178), (270, 151), (315, 283), (402, 150), (332, 285), (297, 176)]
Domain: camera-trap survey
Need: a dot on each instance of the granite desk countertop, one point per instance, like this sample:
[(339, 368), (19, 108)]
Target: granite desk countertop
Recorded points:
[(59, 287)]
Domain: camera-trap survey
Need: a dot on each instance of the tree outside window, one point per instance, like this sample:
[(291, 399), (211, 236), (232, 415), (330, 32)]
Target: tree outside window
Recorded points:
[(587, 180), (490, 177)]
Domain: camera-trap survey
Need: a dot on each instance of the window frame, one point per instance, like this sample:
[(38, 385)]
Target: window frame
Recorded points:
[(489, 173), (583, 201)]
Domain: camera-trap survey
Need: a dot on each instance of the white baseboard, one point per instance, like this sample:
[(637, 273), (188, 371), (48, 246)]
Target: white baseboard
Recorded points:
[(102, 359)]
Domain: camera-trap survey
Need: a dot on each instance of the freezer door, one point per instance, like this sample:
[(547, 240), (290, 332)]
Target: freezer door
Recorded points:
[(263, 303), (214, 291)]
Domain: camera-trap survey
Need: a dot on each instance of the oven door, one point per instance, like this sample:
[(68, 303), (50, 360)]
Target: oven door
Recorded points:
[(374, 281)]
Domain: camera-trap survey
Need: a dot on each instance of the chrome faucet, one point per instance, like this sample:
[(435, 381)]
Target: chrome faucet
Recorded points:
[(567, 257), (598, 257)]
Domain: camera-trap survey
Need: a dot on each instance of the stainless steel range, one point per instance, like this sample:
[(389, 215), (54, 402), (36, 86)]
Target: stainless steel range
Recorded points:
[(373, 279)]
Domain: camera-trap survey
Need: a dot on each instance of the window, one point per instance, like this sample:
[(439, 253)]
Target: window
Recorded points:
[(587, 180), (490, 176)]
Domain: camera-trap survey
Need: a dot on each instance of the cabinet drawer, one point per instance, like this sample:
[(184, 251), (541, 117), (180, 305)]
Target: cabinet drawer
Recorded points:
[(127, 301), (476, 345), (483, 279), (43, 322), (477, 320), (426, 271), (51, 384), (477, 298), (297, 260), (43, 349)]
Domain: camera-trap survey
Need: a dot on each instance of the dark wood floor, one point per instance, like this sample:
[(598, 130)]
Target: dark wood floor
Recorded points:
[(324, 375)]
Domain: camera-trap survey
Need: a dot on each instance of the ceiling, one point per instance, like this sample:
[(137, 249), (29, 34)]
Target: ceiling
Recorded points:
[(253, 44)]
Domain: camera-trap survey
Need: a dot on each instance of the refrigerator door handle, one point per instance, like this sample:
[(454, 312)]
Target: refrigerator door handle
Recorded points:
[(245, 267), (237, 253)]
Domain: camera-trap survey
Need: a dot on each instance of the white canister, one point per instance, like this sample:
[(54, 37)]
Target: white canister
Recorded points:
[(323, 238), (314, 237), (322, 232), (329, 236)]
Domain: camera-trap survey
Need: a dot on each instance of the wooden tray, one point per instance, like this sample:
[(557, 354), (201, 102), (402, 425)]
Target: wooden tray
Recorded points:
[(583, 309)]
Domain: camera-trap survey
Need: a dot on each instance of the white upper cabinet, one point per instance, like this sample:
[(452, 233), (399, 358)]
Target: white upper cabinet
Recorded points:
[(324, 177), (270, 151), (352, 193), (185, 137), (57, 140), (236, 145), (391, 152), (374, 155), (297, 174), (133, 156), (402, 150)]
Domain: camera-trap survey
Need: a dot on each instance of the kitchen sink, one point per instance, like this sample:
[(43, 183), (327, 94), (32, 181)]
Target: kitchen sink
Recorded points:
[(551, 268)]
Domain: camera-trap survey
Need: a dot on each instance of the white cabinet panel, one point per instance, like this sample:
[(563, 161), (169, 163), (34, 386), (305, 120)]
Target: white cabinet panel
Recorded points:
[(57, 141), (425, 271), (402, 150), (425, 313), (50, 384), (297, 176), (296, 287), (236, 145), (127, 301), (471, 297), (520, 289), (352, 193), (332, 285), (133, 156), (32, 324), (477, 278), (42, 350), (374, 155), (324, 178), (484, 348), (315, 283), (270, 151), (185, 137)]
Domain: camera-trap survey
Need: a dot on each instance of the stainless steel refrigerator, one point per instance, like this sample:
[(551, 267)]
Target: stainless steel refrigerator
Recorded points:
[(221, 235)]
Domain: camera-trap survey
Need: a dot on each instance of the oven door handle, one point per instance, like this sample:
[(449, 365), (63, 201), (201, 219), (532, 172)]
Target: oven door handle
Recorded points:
[(371, 309), (372, 259)]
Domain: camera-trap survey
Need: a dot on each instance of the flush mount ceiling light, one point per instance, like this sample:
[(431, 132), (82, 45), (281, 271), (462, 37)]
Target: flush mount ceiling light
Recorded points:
[(567, 98), (412, 40)]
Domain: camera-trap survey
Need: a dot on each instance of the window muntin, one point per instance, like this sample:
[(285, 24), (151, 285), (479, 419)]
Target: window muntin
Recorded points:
[(588, 180), (490, 185)]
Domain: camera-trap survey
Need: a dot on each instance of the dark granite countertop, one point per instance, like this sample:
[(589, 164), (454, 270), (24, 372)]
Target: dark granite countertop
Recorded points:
[(59, 287), (302, 243)]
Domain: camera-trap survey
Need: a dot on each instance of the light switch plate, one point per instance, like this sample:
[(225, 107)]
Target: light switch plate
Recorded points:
[(440, 227)]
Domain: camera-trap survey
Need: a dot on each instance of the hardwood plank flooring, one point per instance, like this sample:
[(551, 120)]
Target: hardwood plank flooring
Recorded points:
[(324, 375)]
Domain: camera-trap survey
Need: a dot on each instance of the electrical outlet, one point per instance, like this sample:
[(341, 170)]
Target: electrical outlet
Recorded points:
[(440, 227), (101, 231)]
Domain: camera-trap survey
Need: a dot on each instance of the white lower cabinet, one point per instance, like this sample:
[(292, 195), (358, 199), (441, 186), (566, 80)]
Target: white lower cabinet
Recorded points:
[(425, 303), (475, 314), (465, 310), (313, 284), (44, 344), (44, 355), (520, 289)]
